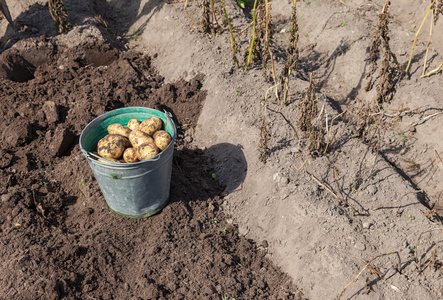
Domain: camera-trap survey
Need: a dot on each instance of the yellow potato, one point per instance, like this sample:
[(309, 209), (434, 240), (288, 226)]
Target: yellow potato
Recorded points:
[(119, 129), (151, 125), (147, 151), (162, 139), (111, 146), (130, 155), (138, 137), (133, 124)]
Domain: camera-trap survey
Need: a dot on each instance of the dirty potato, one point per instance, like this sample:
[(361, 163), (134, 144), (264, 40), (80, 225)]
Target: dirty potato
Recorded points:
[(138, 137), (111, 146), (130, 155), (119, 129), (127, 143), (147, 151), (133, 124), (162, 139), (151, 125)]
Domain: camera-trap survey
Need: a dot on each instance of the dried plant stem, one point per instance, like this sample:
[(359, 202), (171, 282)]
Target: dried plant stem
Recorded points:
[(244, 29), (275, 87), (366, 266), (318, 181), (438, 155), (286, 119), (213, 18), (254, 16), (436, 70), (186, 5), (419, 258), (427, 46), (231, 34), (271, 57), (416, 36), (335, 131)]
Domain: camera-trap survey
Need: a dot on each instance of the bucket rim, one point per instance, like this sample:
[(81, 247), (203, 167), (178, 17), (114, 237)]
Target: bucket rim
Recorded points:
[(89, 155)]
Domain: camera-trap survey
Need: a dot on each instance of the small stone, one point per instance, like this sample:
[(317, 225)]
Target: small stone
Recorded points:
[(264, 244), (276, 177), (366, 225), (284, 180)]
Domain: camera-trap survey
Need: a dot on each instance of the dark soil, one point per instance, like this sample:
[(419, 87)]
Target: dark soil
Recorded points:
[(58, 238)]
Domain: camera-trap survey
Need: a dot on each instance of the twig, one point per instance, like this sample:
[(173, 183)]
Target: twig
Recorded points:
[(437, 155), (198, 26), (244, 29), (426, 118), (287, 121), (417, 258), (366, 266), (323, 185), (436, 70)]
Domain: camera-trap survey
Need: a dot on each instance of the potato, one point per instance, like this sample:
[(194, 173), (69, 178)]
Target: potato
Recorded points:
[(162, 139), (138, 137), (119, 129), (111, 146), (133, 124), (146, 151), (151, 125), (108, 162), (130, 155), (127, 143)]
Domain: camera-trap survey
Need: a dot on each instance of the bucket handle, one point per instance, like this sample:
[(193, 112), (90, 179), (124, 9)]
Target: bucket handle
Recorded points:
[(89, 154)]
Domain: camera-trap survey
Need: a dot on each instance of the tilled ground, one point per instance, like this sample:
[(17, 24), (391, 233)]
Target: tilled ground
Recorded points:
[(58, 238)]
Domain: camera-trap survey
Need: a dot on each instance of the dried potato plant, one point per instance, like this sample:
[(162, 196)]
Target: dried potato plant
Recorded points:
[(293, 56), (391, 71), (312, 123), (60, 15)]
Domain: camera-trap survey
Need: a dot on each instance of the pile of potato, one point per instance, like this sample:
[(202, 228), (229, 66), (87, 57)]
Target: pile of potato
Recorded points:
[(136, 142)]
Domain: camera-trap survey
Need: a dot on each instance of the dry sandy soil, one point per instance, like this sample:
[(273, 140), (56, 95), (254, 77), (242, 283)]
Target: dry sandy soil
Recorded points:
[(319, 220)]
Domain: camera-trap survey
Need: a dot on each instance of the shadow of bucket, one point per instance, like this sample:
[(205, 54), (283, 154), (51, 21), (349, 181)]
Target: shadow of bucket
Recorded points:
[(131, 189)]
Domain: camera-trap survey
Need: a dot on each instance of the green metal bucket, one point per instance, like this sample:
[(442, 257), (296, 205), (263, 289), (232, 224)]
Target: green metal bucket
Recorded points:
[(131, 189)]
